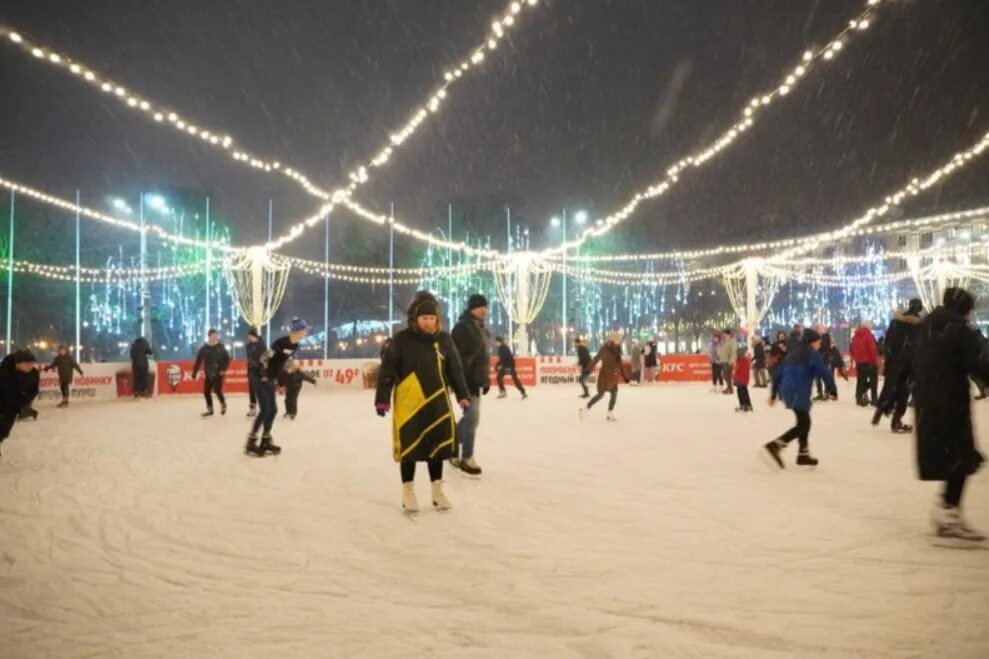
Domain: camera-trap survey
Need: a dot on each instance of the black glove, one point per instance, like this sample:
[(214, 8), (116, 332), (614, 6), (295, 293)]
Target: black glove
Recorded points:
[(485, 389)]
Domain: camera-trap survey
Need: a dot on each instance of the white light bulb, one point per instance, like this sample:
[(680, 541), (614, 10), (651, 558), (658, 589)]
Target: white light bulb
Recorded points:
[(16, 38), (106, 87), (808, 56), (75, 68), (37, 52), (89, 75)]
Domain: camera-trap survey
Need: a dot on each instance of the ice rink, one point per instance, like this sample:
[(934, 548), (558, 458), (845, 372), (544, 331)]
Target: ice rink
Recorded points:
[(139, 530)]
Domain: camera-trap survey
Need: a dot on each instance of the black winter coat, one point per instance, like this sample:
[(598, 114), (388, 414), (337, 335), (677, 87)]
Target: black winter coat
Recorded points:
[(947, 352), (506, 359), (213, 360), (17, 389), (759, 355), (64, 364), (274, 359), (583, 358), (651, 358), (473, 342), (419, 369), (139, 352), (255, 351)]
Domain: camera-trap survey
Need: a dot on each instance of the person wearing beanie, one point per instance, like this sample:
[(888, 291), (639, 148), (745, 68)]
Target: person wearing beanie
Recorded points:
[(255, 350), (584, 364), (419, 367), (19, 384), (64, 364), (740, 378), (610, 358), (506, 366), (140, 350), (214, 359), (473, 342), (291, 379), (272, 363), (794, 379), (947, 352), (898, 349)]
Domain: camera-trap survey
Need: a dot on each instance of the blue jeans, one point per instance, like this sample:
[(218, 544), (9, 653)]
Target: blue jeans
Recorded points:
[(467, 428), (265, 391)]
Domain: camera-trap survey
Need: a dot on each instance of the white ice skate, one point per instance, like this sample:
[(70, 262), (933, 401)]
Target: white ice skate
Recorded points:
[(470, 468), (440, 502), (409, 503), (951, 530), (611, 416), (581, 412)]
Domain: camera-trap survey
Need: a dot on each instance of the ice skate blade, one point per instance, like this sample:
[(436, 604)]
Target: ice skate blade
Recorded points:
[(957, 543), (470, 477)]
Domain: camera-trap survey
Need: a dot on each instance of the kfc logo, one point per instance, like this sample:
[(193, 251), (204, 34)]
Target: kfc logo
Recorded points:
[(174, 374)]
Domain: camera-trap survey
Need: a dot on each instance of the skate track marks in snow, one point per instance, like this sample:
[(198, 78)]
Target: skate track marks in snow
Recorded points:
[(139, 530)]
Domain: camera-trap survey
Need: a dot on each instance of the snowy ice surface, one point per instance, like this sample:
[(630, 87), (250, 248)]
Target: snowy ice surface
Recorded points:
[(136, 529)]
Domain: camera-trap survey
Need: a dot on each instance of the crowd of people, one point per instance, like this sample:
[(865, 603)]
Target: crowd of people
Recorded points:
[(927, 361)]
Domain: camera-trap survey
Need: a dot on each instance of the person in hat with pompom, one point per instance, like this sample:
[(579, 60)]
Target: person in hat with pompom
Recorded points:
[(794, 379), (419, 366), (272, 363)]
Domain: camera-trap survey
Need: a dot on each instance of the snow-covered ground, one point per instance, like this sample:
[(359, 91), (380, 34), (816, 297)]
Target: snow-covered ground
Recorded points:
[(139, 530)]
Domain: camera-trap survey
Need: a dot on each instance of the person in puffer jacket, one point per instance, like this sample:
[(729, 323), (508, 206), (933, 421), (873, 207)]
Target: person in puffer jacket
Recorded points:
[(794, 380), (865, 354)]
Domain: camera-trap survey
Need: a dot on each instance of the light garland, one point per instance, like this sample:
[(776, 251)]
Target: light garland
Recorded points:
[(104, 275), (646, 279), (66, 205), (222, 140), (355, 279), (749, 114), (916, 223), (424, 271)]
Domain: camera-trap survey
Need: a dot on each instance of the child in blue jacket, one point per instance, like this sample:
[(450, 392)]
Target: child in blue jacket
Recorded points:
[(794, 379)]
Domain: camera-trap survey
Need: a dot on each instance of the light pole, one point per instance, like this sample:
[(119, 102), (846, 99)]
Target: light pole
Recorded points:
[(581, 218)]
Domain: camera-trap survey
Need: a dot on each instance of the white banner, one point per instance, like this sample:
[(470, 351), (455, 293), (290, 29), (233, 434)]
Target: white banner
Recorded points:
[(98, 383)]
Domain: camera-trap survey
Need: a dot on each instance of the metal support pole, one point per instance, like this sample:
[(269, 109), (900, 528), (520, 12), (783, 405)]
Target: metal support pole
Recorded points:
[(78, 347), (145, 286), (511, 292), (10, 275), (564, 274), (267, 328), (209, 266), (391, 268), (326, 292), (449, 262)]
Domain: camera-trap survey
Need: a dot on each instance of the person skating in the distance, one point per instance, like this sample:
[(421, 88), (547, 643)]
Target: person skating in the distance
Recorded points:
[(584, 364), (740, 378), (140, 350), (473, 342), (947, 352), (19, 380), (291, 379), (272, 363), (419, 366), (794, 380), (65, 364), (506, 366), (214, 359), (610, 358), (898, 349), (865, 354), (255, 350)]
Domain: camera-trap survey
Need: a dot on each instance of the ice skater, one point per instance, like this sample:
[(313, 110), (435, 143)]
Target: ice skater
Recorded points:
[(65, 364), (740, 378), (473, 342), (865, 354), (255, 351), (898, 350), (140, 350), (584, 364), (272, 363), (727, 352), (506, 366), (19, 380), (948, 352), (717, 373), (291, 379), (214, 359), (794, 380), (419, 367), (610, 358)]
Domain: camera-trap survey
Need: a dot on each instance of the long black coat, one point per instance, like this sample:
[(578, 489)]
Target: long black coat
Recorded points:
[(17, 389), (473, 343), (420, 368), (947, 352), (139, 352)]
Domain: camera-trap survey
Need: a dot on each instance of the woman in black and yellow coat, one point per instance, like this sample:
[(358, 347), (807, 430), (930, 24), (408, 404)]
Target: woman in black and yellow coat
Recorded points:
[(421, 364)]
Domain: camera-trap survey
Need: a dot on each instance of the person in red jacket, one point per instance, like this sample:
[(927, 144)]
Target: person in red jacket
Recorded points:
[(740, 378), (866, 358)]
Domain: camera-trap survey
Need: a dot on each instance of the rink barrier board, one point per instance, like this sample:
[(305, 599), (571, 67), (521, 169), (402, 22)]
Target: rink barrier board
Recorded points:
[(175, 377)]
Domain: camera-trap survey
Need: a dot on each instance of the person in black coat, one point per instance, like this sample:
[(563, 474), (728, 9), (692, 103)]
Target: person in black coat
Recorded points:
[(759, 363), (947, 352), (255, 351), (65, 364), (291, 380), (506, 366), (898, 350), (214, 359), (421, 365), (140, 350), (473, 341), (272, 363), (584, 364), (777, 353), (19, 381)]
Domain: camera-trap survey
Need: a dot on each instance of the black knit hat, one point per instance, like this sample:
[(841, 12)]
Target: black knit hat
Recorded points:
[(254, 332), (915, 306), (958, 300), (476, 301), (810, 335), (423, 303), (23, 356)]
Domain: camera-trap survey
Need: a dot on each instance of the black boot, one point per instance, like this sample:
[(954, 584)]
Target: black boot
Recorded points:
[(64, 403), (252, 446), (877, 416), (268, 447), (897, 426), (223, 408), (208, 412), (804, 459), (771, 452)]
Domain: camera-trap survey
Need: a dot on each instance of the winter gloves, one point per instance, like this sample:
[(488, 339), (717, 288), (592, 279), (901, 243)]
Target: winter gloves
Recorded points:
[(382, 408)]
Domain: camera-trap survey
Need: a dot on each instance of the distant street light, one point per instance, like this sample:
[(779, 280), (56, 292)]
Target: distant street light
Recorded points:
[(121, 205), (581, 217), (157, 202)]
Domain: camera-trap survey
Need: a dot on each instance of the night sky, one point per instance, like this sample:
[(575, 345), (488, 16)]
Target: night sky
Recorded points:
[(586, 103)]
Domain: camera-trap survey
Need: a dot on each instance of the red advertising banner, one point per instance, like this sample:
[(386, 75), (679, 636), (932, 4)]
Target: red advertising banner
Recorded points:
[(684, 368), (175, 377), (524, 366)]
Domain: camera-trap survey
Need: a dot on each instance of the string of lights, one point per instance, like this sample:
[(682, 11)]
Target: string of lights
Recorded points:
[(222, 140), (103, 275), (432, 271), (790, 79)]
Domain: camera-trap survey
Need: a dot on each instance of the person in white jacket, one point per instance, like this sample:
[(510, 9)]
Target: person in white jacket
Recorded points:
[(727, 352)]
